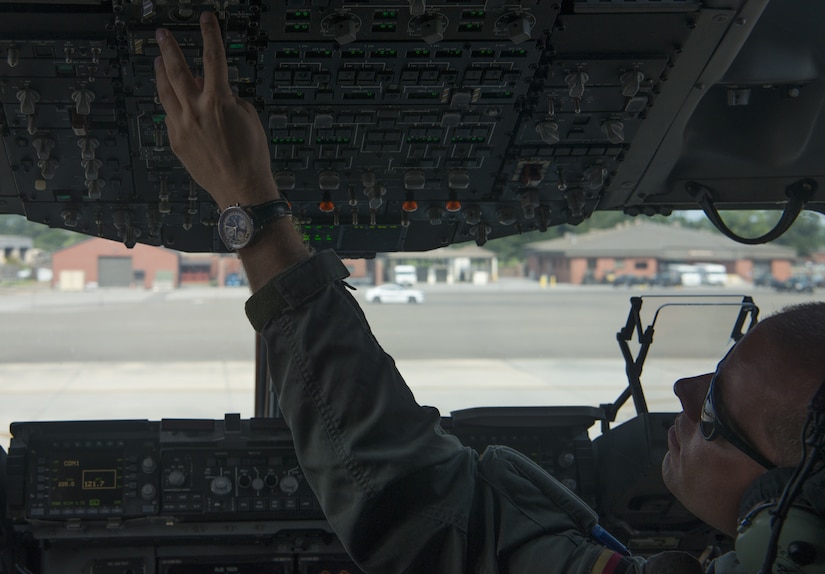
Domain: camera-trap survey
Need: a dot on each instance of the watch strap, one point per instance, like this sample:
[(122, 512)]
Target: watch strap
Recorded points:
[(266, 213)]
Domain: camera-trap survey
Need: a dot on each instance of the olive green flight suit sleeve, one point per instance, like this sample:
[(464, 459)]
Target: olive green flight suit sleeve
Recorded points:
[(402, 495)]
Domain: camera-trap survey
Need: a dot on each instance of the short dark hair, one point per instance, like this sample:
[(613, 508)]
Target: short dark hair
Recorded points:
[(798, 333)]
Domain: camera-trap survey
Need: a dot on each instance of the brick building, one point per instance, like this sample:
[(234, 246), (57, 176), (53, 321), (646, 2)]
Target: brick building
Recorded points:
[(642, 249)]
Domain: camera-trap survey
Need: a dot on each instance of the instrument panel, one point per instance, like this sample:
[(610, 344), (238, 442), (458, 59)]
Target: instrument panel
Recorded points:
[(199, 495), (399, 125)]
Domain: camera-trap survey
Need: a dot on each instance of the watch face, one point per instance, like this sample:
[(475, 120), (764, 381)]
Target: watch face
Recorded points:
[(235, 227)]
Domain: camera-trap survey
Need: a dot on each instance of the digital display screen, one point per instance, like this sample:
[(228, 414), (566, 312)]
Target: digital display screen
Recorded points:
[(87, 480)]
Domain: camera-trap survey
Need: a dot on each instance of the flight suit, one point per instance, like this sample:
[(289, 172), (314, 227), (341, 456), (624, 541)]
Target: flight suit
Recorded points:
[(402, 495)]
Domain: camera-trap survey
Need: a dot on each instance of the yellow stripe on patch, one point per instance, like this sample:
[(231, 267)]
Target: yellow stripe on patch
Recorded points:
[(601, 562)]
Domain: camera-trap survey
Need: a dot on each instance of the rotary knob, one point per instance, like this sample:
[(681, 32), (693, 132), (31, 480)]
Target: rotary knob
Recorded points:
[(289, 484), (221, 485), (148, 465), (148, 492), (176, 478)]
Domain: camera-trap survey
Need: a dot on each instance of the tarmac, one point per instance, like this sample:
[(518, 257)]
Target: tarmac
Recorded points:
[(209, 389), (49, 386)]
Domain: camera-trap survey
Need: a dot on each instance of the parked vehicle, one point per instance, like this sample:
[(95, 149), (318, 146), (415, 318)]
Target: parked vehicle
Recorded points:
[(405, 274), (795, 285), (394, 293), (666, 279)]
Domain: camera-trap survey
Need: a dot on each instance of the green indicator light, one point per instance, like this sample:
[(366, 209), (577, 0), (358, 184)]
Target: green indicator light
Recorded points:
[(157, 118), (236, 46), (333, 140)]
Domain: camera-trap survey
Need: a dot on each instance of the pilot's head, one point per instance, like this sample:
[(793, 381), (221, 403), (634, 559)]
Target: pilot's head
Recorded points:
[(752, 416)]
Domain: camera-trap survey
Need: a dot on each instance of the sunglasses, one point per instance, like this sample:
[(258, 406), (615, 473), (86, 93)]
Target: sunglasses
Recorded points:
[(712, 427)]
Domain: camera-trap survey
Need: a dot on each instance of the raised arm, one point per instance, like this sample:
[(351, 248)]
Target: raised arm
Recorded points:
[(220, 140)]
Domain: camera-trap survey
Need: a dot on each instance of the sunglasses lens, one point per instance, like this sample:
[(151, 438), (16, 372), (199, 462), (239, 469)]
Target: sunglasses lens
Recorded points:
[(707, 421)]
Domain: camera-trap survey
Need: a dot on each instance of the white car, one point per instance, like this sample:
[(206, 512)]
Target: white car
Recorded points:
[(394, 293)]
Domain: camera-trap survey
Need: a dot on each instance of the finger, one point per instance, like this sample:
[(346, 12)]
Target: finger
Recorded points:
[(215, 72), (177, 72), (199, 82), (166, 94)]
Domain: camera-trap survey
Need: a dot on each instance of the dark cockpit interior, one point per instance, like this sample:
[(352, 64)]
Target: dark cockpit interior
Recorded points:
[(394, 125)]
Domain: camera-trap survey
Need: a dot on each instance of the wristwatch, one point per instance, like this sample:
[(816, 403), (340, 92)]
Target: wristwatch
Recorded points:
[(238, 225)]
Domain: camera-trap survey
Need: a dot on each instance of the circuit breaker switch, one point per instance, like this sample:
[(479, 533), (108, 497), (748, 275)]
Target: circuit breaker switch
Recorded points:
[(375, 195), (614, 130), (285, 180), (91, 168), (70, 217), (329, 180), (576, 83), (94, 188), (83, 99), (472, 214), (480, 233), (47, 168), (548, 131), (529, 202), (435, 214), (44, 147), (368, 179), (532, 174), (631, 83), (594, 177), (505, 215), (415, 179), (87, 145), (417, 7), (458, 179), (13, 56), (28, 99)]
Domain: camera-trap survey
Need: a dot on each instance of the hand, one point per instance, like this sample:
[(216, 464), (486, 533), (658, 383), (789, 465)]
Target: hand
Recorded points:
[(217, 136)]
